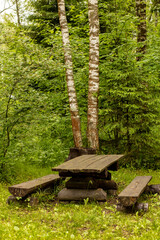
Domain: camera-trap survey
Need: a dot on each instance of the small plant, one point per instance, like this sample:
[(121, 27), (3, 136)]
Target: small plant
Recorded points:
[(86, 201)]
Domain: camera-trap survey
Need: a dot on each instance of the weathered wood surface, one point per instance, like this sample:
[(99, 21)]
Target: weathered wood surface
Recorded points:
[(131, 193), (23, 189), (90, 183), (137, 207), (104, 174), (153, 189), (88, 163), (81, 194)]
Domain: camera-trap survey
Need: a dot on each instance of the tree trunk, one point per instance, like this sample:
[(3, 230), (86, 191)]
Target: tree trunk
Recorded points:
[(156, 18), (142, 30), (93, 86), (75, 118), (17, 11)]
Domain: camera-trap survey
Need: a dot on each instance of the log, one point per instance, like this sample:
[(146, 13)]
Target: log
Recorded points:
[(81, 194), (106, 184), (32, 201), (112, 192), (153, 189), (11, 199), (131, 193), (137, 207), (103, 175), (26, 188), (75, 152), (90, 183), (81, 183)]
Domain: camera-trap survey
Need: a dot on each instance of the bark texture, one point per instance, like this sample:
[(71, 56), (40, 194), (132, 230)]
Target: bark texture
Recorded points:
[(93, 86), (142, 30), (75, 118)]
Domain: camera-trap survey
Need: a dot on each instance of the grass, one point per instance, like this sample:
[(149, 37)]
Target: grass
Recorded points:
[(86, 221)]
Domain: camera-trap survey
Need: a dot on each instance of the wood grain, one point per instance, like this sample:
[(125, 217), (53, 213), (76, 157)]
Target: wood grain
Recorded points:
[(23, 189), (132, 192), (88, 163)]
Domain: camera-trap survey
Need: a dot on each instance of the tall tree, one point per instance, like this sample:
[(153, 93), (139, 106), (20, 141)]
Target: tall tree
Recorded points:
[(142, 30), (17, 12), (93, 86), (75, 118)]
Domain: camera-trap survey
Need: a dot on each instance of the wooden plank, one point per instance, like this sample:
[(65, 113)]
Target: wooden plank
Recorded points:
[(103, 161), (88, 163), (131, 193), (74, 163), (23, 189), (81, 194)]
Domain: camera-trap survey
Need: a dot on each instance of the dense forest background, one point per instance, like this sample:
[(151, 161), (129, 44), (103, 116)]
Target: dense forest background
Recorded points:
[(35, 125)]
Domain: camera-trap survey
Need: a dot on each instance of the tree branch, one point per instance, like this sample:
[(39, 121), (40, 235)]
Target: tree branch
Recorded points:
[(6, 8)]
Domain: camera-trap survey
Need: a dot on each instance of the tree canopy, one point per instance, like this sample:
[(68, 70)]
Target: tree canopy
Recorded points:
[(35, 125)]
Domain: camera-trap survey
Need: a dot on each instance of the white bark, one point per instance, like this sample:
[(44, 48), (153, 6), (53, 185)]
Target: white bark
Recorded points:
[(75, 118), (93, 86)]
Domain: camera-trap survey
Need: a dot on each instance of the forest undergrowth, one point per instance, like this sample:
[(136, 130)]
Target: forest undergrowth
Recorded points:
[(51, 219)]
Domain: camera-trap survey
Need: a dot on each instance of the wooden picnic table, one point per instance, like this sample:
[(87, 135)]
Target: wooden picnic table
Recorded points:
[(88, 164), (89, 176)]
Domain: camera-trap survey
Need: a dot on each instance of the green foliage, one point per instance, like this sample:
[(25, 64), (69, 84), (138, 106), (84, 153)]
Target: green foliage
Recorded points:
[(128, 111), (35, 126), (34, 109), (44, 20), (80, 221)]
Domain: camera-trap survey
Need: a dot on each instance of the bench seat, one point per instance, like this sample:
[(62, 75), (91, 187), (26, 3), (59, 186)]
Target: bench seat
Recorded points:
[(128, 197), (26, 188)]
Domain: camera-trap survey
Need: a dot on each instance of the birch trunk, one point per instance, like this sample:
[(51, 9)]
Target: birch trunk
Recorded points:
[(75, 118), (93, 85), (142, 30)]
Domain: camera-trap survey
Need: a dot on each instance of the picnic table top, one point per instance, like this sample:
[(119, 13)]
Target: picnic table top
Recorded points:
[(88, 163)]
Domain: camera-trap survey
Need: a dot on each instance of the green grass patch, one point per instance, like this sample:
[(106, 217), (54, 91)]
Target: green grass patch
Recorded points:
[(86, 221)]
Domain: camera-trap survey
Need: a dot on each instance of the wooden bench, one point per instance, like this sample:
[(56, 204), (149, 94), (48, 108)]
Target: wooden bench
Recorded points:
[(129, 196), (26, 188)]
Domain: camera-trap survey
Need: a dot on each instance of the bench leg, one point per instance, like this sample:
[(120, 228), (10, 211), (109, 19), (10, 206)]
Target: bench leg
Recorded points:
[(136, 207)]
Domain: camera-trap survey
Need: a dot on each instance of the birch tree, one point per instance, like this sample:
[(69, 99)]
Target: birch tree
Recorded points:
[(93, 85), (75, 118)]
